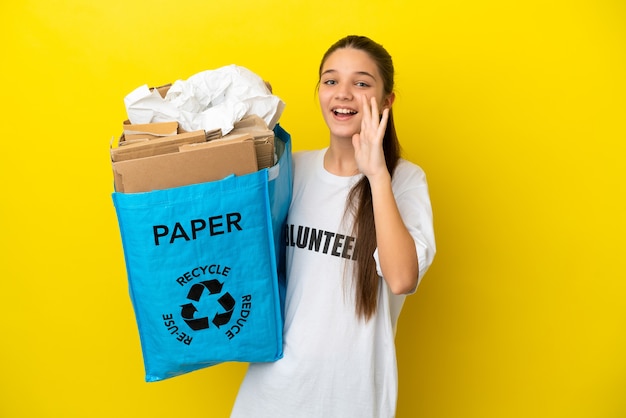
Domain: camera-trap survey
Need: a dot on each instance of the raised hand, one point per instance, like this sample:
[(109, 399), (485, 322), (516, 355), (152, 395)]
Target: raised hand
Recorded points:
[(368, 144)]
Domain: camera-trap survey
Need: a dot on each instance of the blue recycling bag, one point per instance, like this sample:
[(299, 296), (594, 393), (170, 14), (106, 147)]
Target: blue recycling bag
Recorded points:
[(205, 267)]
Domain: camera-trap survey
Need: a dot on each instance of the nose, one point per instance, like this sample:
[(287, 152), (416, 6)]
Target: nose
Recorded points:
[(343, 92)]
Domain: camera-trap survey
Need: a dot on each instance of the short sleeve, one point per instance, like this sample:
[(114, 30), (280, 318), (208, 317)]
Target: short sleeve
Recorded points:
[(410, 190)]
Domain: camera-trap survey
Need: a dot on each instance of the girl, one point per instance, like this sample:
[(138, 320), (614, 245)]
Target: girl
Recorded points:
[(359, 238)]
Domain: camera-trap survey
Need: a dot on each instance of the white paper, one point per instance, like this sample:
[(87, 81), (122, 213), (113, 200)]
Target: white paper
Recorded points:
[(212, 99)]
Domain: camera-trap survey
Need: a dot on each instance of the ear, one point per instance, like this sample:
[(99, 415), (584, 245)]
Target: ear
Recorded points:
[(388, 101)]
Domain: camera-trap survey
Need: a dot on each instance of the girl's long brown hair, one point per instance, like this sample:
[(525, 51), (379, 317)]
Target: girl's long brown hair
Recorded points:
[(359, 201)]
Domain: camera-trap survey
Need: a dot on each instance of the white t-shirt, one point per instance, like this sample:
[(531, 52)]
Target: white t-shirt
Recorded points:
[(335, 364)]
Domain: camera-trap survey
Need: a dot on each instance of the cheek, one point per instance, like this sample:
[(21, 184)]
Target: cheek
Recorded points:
[(324, 95)]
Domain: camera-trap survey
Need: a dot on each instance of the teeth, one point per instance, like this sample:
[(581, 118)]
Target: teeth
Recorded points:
[(345, 111)]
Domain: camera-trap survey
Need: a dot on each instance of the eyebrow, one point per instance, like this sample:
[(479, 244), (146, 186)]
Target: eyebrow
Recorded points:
[(330, 70)]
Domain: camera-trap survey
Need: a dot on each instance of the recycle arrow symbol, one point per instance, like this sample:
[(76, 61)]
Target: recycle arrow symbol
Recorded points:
[(213, 286), (228, 303), (196, 324), (188, 310)]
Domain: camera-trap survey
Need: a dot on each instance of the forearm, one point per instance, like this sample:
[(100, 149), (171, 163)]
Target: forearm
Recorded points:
[(396, 248)]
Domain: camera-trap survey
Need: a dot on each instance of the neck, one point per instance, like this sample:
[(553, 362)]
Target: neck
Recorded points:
[(339, 159)]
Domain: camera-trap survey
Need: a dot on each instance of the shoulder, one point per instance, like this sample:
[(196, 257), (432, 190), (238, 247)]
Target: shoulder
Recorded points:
[(306, 159), (304, 156), (408, 175)]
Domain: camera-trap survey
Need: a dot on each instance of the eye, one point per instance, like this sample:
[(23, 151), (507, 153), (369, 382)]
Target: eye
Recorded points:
[(330, 82), (361, 84)]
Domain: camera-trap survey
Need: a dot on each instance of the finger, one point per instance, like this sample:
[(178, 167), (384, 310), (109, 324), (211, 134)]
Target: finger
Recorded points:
[(366, 113), (365, 108), (383, 122), (356, 143), (375, 113)]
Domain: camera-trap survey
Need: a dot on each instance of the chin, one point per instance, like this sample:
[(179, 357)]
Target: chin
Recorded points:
[(343, 131), (343, 134)]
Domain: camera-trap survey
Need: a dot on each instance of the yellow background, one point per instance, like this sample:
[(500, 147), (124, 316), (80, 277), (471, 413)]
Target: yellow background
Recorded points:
[(515, 109)]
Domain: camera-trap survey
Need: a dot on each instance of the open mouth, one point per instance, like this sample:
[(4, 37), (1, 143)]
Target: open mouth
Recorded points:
[(344, 112)]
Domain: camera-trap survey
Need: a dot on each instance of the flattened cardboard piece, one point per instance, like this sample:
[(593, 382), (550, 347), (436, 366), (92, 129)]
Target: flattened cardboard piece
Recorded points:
[(182, 168), (155, 129), (139, 137), (253, 125), (225, 140), (264, 154), (163, 89), (213, 134), (263, 137), (157, 146)]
